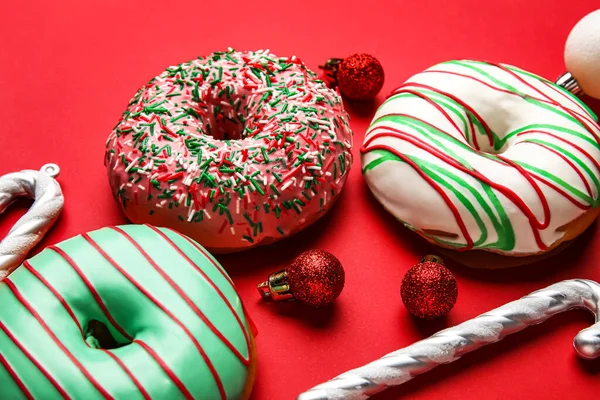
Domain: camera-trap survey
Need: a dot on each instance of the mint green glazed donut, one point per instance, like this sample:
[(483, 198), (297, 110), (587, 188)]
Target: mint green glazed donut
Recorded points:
[(125, 312)]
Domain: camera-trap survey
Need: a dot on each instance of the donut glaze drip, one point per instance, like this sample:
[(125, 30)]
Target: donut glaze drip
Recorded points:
[(474, 155), (182, 329), (234, 150)]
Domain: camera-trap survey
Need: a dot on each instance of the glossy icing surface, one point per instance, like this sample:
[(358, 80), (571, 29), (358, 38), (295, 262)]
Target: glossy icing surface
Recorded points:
[(474, 155), (175, 311), (233, 149)]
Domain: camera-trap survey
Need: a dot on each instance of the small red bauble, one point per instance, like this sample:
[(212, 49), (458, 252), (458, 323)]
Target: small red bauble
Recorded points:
[(315, 278), (359, 77), (429, 289)]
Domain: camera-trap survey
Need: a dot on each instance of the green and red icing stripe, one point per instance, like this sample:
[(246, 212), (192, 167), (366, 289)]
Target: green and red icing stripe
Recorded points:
[(442, 125), (197, 337), (232, 149)]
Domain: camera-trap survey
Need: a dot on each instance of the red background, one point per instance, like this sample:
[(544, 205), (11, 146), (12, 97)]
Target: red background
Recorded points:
[(68, 68)]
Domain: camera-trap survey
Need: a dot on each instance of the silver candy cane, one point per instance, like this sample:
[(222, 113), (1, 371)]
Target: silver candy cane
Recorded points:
[(29, 230), (450, 344)]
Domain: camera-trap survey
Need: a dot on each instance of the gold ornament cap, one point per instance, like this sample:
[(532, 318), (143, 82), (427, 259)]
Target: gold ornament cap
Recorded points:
[(276, 287), (432, 258)]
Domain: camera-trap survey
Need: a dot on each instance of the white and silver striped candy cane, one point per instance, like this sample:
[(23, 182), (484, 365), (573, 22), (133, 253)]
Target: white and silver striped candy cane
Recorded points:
[(30, 228), (450, 344)]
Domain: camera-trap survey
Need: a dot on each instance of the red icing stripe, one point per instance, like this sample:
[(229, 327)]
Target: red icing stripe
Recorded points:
[(35, 362), (499, 89), (136, 382), (579, 148), (201, 250), (435, 186), (562, 192), (445, 114), (107, 314), (473, 133), (92, 290), (173, 377), (583, 115), (15, 377), (569, 162), (572, 113), (220, 269), (66, 306), (46, 328), (530, 215), (186, 298), (470, 109)]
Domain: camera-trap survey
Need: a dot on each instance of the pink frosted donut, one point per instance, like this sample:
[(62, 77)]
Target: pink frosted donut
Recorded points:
[(233, 150)]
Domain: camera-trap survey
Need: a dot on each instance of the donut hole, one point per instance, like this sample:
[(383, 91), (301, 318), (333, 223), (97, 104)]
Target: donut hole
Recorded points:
[(495, 121), (480, 141), (98, 336), (225, 115), (486, 147)]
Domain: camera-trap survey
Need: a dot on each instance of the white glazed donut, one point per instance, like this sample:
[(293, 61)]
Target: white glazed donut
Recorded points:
[(473, 155)]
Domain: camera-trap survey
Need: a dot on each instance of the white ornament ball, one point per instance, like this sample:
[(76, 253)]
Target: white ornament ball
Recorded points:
[(582, 54)]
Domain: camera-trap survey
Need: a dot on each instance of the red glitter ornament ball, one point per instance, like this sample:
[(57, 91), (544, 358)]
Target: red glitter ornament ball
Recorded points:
[(429, 290), (360, 77), (316, 278)]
